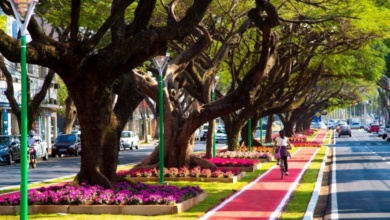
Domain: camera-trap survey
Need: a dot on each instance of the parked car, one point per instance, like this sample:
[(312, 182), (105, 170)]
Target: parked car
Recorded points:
[(66, 144), (344, 130), (220, 135), (367, 127), (9, 149), (374, 128), (129, 140), (356, 125), (386, 132), (381, 131)]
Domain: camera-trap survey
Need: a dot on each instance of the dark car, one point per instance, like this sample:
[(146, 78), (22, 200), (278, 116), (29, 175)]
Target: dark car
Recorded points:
[(66, 144), (9, 149), (344, 130)]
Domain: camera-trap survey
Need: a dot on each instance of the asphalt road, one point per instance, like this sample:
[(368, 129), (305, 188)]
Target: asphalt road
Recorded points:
[(70, 165), (360, 186)]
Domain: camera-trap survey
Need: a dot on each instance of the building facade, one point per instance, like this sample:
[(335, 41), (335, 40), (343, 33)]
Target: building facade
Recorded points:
[(47, 120)]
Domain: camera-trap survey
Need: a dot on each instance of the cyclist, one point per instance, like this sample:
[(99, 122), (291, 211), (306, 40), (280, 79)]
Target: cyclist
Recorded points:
[(281, 143)]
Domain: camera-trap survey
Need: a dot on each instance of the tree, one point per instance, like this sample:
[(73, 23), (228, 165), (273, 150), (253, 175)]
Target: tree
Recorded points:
[(94, 68), (33, 104), (180, 124)]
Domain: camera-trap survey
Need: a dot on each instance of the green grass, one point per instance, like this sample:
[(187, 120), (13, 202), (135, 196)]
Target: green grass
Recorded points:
[(217, 192)]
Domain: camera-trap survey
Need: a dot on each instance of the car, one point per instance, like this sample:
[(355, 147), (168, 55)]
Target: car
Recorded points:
[(9, 149), (331, 124), (129, 140), (386, 132), (66, 144), (356, 125), (220, 135), (367, 127), (344, 130), (374, 128), (315, 125), (381, 131), (203, 134)]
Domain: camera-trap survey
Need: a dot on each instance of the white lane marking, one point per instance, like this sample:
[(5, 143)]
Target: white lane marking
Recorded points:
[(334, 214), (316, 192)]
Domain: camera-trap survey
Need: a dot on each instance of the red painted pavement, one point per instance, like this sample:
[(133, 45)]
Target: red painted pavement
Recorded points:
[(266, 196)]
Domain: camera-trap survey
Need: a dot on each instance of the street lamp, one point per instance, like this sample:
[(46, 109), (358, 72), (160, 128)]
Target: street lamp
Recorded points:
[(213, 99), (160, 63), (23, 10), (249, 134), (261, 130)]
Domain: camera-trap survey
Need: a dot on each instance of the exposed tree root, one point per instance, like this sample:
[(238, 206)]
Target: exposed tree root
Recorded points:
[(146, 166), (197, 161), (95, 178)]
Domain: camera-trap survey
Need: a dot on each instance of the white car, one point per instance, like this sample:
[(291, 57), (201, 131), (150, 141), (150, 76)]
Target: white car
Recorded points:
[(129, 140), (382, 131), (356, 125), (386, 132)]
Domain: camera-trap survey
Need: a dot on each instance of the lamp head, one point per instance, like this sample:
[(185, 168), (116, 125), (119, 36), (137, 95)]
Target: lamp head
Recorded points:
[(22, 6)]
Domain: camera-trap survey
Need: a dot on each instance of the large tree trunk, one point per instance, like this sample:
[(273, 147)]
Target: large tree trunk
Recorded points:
[(289, 128), (269, 129), (210, 139), (96, 137), (178, 145), (70, 115)]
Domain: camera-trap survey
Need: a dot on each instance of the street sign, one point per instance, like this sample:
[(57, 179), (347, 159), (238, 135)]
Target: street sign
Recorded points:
[(317, 116)]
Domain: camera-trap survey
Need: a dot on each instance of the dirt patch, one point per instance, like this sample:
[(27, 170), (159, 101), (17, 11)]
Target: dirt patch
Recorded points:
[(323, 199)]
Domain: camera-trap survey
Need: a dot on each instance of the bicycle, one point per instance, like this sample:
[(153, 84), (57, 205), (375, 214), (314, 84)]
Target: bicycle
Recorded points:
[(282, 168)]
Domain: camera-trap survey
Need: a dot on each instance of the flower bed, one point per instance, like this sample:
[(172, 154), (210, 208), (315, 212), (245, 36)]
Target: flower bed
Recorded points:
[(259, 153), (184, 174), (123, 200), (247, 165), (233, 162)]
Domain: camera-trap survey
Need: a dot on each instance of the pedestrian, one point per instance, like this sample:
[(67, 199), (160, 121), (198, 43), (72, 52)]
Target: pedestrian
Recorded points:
[(281, 143)]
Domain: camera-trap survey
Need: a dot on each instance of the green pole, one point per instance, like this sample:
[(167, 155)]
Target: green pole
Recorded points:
[(250, 134), (161, 111), (214, 148), (23, 159), (261, 130)]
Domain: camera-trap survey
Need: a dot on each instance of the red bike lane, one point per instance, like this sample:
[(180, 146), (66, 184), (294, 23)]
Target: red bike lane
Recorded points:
[(267, 195)]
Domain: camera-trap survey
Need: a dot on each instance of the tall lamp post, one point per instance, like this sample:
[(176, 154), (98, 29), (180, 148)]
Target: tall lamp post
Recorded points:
[(261, 130), (249, 134), (161, 62), (23, 10), (213, 99)]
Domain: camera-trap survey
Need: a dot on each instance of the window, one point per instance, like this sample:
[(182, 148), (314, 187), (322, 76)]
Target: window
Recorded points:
[(66, 138)]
